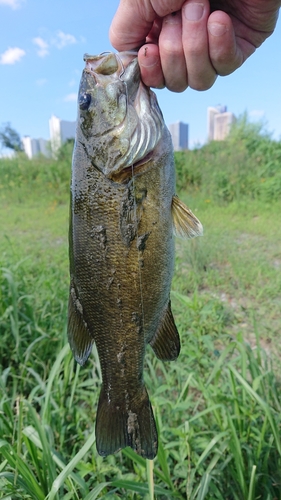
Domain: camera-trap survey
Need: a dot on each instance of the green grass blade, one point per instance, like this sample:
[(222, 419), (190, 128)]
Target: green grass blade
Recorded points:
[(60, 479), (33, 436), (267, 410), (162, 459), (48, 465), (141, 488), (210, 446), (251, 495), (128, 452), (27, 479), (96, 491), (54, 371), (235, 447), (150, 479), (204, 486)]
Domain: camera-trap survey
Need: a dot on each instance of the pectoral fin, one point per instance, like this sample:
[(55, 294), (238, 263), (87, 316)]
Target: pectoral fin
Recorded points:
[(185, 224), (79, 337), (166, 342)]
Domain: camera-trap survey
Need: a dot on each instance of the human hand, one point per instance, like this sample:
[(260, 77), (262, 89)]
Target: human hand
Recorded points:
[(188, 43)]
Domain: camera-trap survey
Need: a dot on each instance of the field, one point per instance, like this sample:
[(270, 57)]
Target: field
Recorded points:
[(218, 407)]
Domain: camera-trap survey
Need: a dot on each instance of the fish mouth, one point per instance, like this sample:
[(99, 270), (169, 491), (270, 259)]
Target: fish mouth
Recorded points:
[(108, 63)]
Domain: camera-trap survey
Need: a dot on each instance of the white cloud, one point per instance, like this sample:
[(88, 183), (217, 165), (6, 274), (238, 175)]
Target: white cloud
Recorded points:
[(71, 97), (41, 81), (42, 46), (11, 55), (15, 4), (63, 39)]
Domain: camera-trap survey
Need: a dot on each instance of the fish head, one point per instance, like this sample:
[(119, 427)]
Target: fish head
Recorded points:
[(119, 120), (102, 94)]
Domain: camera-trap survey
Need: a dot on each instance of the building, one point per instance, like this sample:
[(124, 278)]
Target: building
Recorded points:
[(219, 122), (60, 131), (223, 122), (34, 147), (179, 133), (211, 113)]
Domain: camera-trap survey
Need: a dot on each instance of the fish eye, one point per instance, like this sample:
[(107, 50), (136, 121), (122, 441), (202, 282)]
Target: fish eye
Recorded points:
[(84, 101)]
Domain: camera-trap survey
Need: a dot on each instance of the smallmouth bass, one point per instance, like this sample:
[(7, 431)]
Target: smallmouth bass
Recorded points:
[(123, 214)]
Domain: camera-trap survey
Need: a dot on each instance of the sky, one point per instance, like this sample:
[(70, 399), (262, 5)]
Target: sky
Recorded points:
[(41, 60)]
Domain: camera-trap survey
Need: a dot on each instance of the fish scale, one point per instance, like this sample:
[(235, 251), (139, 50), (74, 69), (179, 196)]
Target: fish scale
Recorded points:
[(123, 215)]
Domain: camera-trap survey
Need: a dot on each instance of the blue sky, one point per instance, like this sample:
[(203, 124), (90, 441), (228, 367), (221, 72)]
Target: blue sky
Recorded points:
[(41, 59)]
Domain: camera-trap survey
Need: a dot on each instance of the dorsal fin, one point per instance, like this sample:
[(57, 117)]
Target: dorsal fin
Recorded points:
[(166, 341), (185, 224), (79, 337)]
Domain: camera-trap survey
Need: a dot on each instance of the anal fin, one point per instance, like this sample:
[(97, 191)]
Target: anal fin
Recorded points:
[(185, 224), (79, 337), (166, 341)]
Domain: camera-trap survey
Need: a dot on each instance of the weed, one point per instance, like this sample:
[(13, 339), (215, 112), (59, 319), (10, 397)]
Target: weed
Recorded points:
[(217, 407)]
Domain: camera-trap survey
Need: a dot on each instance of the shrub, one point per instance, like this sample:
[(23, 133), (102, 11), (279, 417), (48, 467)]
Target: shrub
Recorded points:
[(246, 164)]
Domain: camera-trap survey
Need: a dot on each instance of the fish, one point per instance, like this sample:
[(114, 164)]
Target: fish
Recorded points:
[(124, 213)]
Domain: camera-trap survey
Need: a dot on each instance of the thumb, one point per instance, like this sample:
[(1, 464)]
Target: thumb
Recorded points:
[(134, 20)]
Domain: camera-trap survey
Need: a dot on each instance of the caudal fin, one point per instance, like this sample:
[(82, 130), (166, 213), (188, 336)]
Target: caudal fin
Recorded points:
[(126, 424)]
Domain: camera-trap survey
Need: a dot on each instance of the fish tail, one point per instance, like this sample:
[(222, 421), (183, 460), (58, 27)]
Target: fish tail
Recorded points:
[(131, 425)]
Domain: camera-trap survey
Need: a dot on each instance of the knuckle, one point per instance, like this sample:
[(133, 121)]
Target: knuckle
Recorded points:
[(195, 50), (171, 47), (225, 66), (201, 81), (201, 86), (176, 86)]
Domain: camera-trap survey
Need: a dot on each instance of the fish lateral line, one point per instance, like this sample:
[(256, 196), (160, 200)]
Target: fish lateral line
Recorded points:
[(134, 168)]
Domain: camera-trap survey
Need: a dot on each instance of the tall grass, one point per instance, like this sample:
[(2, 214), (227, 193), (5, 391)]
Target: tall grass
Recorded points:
[(246, 164), (25, 180), (217, 407)]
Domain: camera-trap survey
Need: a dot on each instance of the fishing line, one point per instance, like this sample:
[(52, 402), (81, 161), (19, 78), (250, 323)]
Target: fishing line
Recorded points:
[(149, 463), (133, 181)]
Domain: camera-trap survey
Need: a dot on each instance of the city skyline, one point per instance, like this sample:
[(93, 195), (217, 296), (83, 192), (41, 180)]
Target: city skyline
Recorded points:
[(41, 58), (60, 131), (179, 135), (219, 121), (33, 147)]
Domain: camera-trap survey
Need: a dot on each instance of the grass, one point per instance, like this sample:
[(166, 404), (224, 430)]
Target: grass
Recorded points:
[(217, 407), (240, 256)]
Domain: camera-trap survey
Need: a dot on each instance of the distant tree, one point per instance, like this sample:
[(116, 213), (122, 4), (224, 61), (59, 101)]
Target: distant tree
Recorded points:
[(9, 138)]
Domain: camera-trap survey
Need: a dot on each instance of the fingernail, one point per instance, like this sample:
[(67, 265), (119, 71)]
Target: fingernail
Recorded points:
[(217, 29), (193, 11), (149, 61)]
